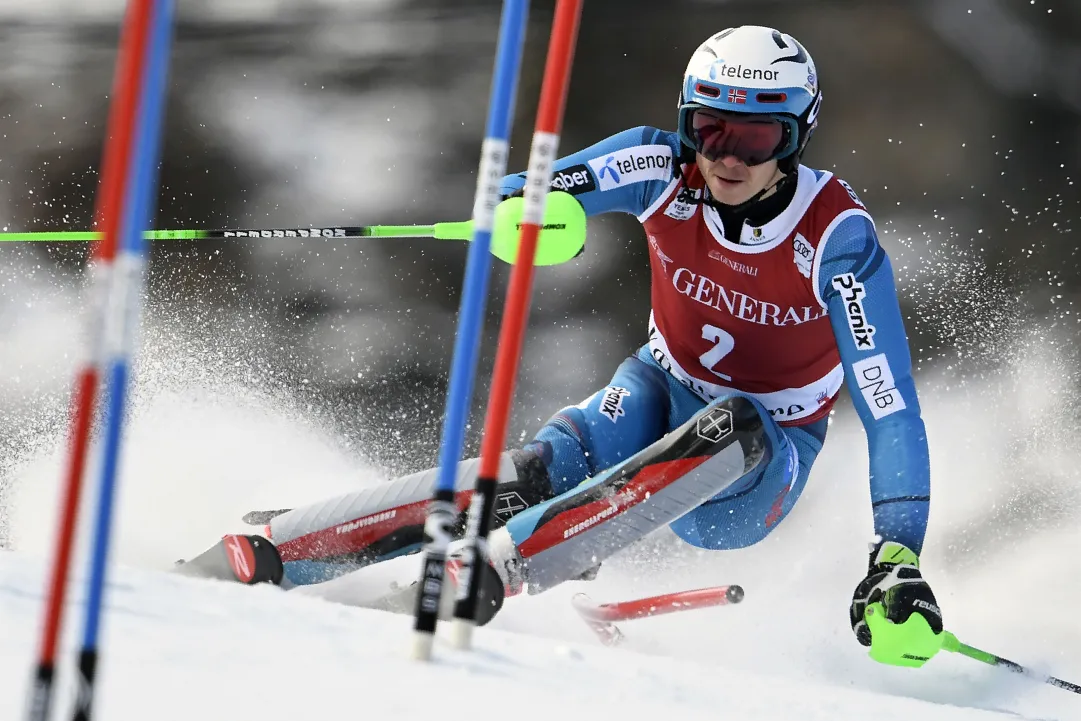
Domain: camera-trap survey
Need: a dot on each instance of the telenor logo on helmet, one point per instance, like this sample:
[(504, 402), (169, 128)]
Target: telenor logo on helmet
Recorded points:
[(720, 69)]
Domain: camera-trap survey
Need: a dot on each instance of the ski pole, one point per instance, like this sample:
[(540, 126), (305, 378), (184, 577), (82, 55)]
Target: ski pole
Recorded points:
[(601, 617), (442, 512), (542, 155), (562, 238), (445, 231), (120, 325), (952, 644), (108, 201)]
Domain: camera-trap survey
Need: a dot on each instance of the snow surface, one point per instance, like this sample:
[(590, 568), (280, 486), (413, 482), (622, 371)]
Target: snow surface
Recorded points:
[(179, 648), (182, 648), (209, 439)]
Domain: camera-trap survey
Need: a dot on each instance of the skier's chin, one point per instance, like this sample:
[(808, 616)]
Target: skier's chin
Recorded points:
[(730, 191)]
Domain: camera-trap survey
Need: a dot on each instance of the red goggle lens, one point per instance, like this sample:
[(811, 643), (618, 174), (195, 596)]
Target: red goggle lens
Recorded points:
[(754, 139)]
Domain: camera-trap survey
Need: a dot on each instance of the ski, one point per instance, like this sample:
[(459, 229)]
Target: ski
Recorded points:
[(252, 559), (566, 536), (241, 558)]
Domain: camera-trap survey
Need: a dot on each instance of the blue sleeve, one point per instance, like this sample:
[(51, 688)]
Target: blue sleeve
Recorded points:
[(624, 173), (855, 280)]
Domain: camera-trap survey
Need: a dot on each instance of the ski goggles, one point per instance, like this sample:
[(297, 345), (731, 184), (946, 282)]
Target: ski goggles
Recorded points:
[(754, 139)]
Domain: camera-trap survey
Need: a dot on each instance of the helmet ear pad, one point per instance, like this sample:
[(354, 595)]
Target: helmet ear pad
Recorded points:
[(679, 131), (807, 122)]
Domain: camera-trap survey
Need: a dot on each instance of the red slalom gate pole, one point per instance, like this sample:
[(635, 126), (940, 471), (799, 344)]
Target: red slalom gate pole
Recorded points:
[(108, 205), (542, 156), (601, 617)]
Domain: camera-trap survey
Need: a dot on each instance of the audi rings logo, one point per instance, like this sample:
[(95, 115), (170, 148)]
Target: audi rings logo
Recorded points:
[(715, 425)]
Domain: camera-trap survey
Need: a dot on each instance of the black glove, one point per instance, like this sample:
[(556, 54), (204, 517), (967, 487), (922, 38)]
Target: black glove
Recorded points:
[(895, 584)]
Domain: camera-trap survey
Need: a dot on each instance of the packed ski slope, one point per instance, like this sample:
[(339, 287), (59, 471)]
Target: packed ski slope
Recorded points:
[(207, 443), (218, 651), (183, 649)]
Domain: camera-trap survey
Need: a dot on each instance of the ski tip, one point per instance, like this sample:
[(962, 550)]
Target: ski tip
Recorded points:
[(461, 634), (422, 646), (248, 559), (734, 594)]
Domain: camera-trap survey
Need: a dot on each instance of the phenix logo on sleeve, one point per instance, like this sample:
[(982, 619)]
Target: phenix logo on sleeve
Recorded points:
[(852, 293), (612, 403), (632, 165)]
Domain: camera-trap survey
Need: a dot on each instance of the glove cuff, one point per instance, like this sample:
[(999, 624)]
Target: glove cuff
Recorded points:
[(892, 553)]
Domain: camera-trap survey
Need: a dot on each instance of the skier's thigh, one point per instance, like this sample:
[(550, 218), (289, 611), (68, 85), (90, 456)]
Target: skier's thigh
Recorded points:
[(612, 424), (748, 511), (572, 533)]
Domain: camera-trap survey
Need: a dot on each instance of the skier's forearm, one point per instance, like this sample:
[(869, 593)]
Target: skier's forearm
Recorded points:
[(856, 281), (900, 482)]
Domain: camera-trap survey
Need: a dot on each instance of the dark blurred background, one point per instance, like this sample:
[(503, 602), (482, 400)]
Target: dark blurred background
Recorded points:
[(957, 121)]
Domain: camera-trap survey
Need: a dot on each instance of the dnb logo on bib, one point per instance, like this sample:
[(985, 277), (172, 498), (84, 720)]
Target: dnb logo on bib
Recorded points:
[(632, 165)]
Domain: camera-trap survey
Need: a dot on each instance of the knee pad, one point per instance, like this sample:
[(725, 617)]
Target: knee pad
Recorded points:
[(753, 426), (736, 517), (561, 445)]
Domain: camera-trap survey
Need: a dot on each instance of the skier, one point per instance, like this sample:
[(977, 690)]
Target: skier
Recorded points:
[(769, 289)]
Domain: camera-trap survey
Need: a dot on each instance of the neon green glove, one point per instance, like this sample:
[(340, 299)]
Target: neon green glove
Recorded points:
[(894, 611)]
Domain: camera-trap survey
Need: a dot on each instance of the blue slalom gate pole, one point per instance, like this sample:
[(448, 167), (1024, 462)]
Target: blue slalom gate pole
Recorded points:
[(443, 510), (121, 321)]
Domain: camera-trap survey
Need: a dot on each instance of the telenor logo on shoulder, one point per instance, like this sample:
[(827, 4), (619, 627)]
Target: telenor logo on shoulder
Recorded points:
[(632, 165)]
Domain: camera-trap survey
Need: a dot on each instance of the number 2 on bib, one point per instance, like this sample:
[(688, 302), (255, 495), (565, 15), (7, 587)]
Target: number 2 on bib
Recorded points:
[(725, 343)]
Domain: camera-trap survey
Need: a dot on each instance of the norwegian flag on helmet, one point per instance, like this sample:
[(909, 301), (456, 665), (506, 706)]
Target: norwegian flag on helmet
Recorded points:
[(735, 95)]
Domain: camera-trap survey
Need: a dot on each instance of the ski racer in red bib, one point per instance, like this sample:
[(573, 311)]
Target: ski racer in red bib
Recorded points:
[(770, 291)]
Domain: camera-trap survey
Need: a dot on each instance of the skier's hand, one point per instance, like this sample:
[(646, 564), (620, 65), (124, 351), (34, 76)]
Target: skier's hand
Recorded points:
[(564, 219), (893, 609)]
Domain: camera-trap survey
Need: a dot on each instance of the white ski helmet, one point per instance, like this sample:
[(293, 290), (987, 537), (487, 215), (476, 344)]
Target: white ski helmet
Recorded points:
[(754, 70)]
